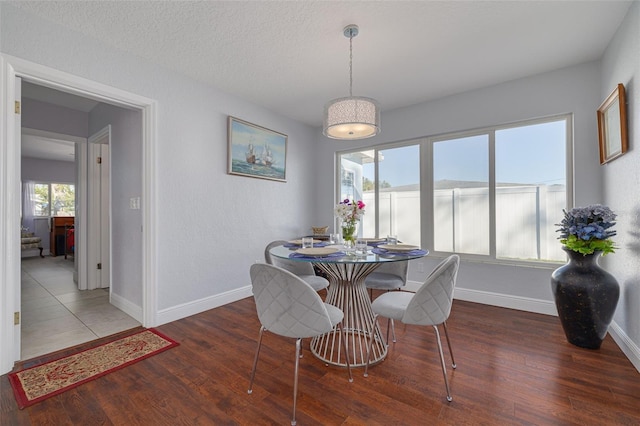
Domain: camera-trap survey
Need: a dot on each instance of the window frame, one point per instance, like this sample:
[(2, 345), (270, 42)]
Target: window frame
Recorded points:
[(427, 183), (49, 195)]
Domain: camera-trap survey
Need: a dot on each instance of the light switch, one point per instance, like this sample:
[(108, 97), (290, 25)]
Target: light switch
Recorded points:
[(134, 203)]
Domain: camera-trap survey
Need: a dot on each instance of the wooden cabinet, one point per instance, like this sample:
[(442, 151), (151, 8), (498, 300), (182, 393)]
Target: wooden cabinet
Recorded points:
[(57, 241)]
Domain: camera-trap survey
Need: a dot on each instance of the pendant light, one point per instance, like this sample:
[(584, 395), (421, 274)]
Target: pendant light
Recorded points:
[(353, 117)]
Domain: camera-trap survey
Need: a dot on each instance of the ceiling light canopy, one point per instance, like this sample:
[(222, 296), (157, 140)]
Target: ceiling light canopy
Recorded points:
[(353, 117)]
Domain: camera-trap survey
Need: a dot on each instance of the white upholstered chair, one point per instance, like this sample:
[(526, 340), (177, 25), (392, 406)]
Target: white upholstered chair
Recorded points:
[(388, 276), (290, 307), (303, 270), (430, 305)]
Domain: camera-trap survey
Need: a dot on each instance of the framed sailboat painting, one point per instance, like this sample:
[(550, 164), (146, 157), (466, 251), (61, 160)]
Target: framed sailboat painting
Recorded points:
[(255, 151)]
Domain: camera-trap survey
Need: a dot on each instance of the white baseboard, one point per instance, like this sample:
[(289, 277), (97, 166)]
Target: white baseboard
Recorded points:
[(630, 349), (133, 310), (496, 299), (187, 309), (507, 301)]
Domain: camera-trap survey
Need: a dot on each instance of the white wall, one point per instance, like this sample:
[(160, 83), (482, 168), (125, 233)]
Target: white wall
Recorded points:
[(126, 182), (211, 226), (621, 64), (53, 118), (39, 170)]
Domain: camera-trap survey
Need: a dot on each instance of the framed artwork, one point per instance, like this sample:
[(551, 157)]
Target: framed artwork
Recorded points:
[(255, 151), (612, 125)]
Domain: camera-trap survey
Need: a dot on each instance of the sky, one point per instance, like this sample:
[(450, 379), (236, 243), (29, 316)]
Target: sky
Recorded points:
[(533, 154)]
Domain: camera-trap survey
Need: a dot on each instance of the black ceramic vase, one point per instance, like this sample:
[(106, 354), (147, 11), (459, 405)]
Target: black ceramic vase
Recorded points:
[(586, 297)]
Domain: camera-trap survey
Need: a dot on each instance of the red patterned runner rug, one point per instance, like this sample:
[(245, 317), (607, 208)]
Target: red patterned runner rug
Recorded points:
[(37, 383)]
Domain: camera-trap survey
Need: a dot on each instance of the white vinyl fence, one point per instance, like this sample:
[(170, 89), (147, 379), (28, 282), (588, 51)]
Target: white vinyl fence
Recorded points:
[(525, 220)]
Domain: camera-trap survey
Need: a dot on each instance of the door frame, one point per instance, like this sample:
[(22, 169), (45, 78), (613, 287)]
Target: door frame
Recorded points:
[(99, 250), (10, 68)]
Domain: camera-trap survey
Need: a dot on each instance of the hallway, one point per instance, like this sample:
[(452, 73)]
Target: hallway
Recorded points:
[(56, 315)]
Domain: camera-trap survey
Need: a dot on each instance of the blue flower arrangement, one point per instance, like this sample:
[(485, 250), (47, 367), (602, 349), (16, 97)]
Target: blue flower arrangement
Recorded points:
[(588, 229)]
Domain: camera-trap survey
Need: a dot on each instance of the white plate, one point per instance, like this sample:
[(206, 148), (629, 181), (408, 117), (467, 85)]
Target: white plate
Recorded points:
[(398, 247), (317, 251), (299, 242)]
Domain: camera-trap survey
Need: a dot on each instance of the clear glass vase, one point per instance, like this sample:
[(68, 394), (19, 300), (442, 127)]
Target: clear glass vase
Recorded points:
[(348, 234)]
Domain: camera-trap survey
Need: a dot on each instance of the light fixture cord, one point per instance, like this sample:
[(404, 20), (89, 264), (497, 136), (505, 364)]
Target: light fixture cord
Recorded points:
[(351, 63)]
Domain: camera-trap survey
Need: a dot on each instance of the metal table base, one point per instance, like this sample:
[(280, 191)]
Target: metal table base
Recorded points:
[(348, 292)]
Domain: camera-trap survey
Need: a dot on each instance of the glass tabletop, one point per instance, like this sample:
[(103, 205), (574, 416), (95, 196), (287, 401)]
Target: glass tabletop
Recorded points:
[(379, 256)]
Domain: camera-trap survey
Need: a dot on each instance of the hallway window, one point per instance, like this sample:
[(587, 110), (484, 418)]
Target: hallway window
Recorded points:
[(54, 199)]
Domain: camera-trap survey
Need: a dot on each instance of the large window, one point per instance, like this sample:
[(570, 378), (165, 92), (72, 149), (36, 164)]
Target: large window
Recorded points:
[(495, 193)]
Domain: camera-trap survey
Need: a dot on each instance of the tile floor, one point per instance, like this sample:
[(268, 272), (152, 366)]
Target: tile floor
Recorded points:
[(56, 315)]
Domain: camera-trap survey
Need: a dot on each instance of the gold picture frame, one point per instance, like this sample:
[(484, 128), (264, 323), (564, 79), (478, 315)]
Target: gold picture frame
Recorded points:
[(255, 151), (612, 125)]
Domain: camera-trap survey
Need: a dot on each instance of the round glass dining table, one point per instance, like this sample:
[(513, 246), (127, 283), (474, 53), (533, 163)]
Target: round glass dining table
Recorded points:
[(347, 291)]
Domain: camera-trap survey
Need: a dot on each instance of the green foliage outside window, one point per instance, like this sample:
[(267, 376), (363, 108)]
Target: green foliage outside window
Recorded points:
[(369, 185), (56, 199)]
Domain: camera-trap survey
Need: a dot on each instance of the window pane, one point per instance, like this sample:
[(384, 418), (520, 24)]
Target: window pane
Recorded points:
[(357, 183), (41, 199), (63, 199), (399, 193), (461, 195), (530, 190)]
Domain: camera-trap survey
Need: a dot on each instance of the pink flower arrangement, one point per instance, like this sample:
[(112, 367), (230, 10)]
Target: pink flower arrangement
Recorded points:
[(349, 211)]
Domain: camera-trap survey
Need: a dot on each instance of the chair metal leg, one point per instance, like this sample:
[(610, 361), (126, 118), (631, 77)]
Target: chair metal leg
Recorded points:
[(446, 334), (295, 380), (391, 326), (374, 323), (346, 350), (255, 360), (444, 367)]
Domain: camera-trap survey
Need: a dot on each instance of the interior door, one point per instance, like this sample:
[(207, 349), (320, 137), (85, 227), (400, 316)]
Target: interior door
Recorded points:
[(98, 217)]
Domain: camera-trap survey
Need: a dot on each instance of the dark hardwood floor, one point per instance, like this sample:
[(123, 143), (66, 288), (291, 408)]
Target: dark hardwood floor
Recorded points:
[(513, 368)]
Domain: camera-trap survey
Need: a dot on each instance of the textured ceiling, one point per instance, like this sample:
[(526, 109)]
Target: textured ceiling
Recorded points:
[(292, 57)]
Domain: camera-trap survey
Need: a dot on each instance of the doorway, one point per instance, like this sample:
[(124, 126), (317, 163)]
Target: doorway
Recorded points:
[(140, 301), (65, 296)]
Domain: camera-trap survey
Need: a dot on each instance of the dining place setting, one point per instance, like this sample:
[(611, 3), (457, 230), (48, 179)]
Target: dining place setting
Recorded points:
[(311, 248), (398, 250), (334, 247)]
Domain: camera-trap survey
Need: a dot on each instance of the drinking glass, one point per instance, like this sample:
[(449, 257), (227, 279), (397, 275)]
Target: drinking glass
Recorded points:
[(335, 238), (361, 247), (307, 242), (392, 239)]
